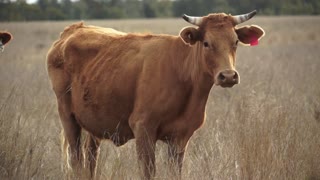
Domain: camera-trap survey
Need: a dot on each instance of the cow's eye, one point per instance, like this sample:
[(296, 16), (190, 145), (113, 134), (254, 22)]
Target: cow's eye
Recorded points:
[(236, 44), (206, 44)]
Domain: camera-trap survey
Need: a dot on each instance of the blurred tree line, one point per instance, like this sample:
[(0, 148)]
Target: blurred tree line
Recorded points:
[(20, 10)]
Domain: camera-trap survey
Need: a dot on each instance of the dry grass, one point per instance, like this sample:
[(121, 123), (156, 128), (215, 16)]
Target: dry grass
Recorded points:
[(268, 127)]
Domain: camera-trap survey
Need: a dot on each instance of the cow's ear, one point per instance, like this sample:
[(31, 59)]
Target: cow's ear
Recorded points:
[(250, 35), (190, 35), (5, 37)]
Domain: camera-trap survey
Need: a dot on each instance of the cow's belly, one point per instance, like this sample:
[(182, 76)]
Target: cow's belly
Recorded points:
[(106, 115), (102, 112)]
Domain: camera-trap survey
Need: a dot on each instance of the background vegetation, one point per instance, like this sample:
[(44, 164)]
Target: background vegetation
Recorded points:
[(267, 127), (20, 10)]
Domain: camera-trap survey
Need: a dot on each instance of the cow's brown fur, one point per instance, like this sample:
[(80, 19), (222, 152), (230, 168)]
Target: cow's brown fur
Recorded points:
[(121, 86)]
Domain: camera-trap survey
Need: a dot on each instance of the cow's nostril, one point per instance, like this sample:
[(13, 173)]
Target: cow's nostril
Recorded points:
[(221, 77), (235, 77)]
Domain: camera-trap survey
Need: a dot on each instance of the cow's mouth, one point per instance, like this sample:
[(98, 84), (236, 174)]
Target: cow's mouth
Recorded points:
[(228, 85)]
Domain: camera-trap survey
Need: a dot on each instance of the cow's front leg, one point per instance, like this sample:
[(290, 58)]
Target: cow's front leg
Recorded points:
[(176, 151), (145, 135)]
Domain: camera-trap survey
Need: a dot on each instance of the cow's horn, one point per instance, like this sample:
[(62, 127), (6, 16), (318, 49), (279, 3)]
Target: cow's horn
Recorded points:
[(192, 19), (244, 17)]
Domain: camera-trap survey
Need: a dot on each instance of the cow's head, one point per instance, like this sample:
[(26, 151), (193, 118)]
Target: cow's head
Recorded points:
[(218, 37), (5, 37)]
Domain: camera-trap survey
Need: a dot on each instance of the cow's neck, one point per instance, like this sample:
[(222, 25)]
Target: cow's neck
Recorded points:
[(191, 70), (188, 64)]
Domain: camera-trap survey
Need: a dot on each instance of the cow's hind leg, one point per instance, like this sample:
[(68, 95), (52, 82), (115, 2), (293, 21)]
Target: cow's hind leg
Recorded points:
[(61, 81), (92, 154), (72, 133)]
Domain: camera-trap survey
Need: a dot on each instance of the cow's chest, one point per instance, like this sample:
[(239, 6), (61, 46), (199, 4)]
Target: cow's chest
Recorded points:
[(191, 119)]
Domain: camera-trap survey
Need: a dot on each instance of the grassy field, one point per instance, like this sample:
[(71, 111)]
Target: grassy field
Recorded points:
[(268, 127)]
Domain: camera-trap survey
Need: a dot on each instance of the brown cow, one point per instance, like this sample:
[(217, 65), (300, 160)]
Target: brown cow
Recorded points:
[(5, 37), (120, 86)]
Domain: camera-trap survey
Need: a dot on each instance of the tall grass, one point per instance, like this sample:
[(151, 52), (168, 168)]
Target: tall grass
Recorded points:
[(268, 127)]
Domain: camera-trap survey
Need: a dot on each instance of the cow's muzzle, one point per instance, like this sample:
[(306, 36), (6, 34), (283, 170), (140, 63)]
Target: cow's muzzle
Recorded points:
[(227, 78)]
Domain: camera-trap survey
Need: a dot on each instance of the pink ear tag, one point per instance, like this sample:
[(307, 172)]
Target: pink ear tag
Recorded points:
[(254, 41)]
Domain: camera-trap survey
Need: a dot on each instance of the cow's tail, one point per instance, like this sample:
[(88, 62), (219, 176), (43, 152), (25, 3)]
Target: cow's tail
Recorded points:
[(64, 153)]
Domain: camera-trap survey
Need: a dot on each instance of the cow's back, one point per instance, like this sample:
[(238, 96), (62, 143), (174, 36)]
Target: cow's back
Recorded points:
[(59, 59)]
